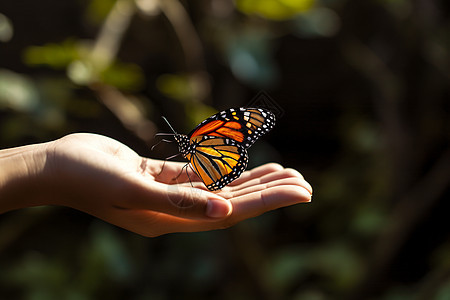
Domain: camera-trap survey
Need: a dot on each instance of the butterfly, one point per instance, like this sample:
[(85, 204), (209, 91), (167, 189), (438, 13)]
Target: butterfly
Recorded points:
[(217, 148)]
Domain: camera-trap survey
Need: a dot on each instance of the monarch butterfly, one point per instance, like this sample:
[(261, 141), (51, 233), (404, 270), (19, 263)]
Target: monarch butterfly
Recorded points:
[(217, 148)]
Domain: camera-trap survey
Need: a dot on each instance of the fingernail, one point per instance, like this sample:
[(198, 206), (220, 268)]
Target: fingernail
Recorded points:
[(308, 187), (218, 208), (307, 195)]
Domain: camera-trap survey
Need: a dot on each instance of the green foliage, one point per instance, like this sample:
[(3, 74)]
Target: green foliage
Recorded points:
[(198, 113), (319, 21), (17, 92), (97, 10), (54, 55), (364, 89), (175, 86), (124, 76), (82, 69), (443, 292), (274, 9)]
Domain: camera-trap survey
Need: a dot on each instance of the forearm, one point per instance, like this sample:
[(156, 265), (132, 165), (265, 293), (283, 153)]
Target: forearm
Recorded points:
[(23, 181)]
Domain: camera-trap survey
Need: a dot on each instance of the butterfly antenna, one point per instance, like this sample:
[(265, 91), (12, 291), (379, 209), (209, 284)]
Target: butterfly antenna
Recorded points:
[(169, 125), (164, 140)]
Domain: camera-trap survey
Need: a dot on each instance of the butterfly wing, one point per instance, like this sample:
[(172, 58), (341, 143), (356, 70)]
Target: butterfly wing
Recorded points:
[(217, 147), (243, 125), (218, 161)]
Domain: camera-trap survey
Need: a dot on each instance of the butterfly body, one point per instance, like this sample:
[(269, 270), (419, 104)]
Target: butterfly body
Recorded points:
[(217, 147)]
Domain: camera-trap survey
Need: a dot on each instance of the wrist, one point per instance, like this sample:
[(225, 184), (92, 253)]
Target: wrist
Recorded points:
[(23, 182)]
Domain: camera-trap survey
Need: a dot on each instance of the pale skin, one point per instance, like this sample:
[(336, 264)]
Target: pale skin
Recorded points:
[(104, 178)]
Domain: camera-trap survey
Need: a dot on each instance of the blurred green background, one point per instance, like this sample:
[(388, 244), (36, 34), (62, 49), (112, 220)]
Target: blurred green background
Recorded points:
[(364, 97)]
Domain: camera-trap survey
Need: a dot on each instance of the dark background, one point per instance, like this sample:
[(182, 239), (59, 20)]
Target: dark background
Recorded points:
[(362, 91)]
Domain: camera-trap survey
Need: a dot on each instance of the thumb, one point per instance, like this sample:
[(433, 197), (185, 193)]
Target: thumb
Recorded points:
[(180, 201)]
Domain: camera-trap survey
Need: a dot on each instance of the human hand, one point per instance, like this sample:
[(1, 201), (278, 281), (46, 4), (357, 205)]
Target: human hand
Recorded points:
[(105, 178)]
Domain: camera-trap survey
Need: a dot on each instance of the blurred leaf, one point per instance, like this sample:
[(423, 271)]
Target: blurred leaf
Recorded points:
[(175, 86), (287, 267), (338, 262), (17, 91), (123, 76), (362, 135), (274, 9), (399, 293), (184, 87), (82, 69), (57, 56), (82, 72), (197, 112), (6, 29), (444, 292), (319, 21), (98, 10), (107, 245), (369, 220), (40, 277)]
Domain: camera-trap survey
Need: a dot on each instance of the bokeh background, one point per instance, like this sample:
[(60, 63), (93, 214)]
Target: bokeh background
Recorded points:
[(363, 94)]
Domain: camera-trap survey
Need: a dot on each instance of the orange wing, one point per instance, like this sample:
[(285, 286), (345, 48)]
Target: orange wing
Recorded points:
[(218, 161), (219, 128), (217, 147), (243, 125)]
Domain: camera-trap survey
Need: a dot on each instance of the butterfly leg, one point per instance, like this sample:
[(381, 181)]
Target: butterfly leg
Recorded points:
[(164, 163), (187, 173), (179, 174)]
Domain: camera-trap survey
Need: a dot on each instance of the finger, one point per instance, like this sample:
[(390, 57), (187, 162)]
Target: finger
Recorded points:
[(258, 202), (177, 200), (257, 172), (248, 206), (273, 176), (294, 181)]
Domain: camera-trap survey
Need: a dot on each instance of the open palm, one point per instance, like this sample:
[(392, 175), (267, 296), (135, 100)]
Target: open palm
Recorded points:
[(105, 178)]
